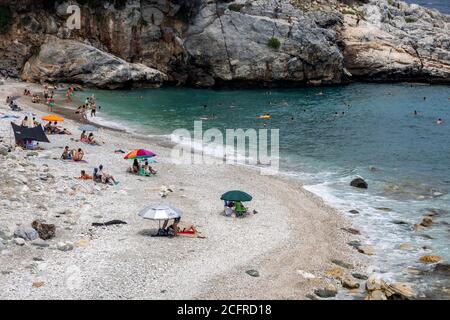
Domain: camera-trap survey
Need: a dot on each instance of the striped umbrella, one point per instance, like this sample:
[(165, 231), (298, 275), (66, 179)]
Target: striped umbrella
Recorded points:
[(140, 154)]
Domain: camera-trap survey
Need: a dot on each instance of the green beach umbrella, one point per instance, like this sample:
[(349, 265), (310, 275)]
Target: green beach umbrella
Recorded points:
[(236, 195)]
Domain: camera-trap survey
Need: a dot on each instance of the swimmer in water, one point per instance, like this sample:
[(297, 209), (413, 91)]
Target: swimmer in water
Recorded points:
[(415, 112), (439, 121)]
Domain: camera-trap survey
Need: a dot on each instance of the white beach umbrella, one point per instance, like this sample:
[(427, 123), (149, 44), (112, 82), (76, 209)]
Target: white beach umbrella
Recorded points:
[(160, 212)]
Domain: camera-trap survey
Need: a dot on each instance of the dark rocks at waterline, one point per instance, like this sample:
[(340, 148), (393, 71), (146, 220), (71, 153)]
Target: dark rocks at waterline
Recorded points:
[(342, 264), (431, 212), (353, 211), (359, 183), (311, 297), (359, 276), (326, 292), (354, 244), (349, 283), (384, 209), (252, 272), (400, 222), (352, 231), (426, 222), (442, 268)]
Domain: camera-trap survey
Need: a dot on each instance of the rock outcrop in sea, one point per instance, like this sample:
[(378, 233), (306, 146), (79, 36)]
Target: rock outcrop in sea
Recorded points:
[(221, 42)]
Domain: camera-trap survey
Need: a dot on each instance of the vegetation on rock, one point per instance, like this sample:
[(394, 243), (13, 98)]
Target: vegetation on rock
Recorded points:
[(274, 43)]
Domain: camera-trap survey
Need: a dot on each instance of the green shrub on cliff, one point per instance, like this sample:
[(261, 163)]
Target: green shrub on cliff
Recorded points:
[(274, 43), (5, 18), (409, 20)]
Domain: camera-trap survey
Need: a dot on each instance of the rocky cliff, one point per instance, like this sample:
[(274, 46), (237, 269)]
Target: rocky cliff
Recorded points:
[(220, 42)]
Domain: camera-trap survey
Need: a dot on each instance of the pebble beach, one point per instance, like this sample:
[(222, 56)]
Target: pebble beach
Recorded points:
[(284, 251)]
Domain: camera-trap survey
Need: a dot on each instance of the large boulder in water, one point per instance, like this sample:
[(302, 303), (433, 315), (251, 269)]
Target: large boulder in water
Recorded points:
[(71, 61), (359, 183)]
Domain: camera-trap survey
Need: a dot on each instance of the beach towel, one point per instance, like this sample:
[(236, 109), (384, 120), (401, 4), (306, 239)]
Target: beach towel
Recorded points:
[(71, 160), (190, 234), (9, 117), (108, 223)]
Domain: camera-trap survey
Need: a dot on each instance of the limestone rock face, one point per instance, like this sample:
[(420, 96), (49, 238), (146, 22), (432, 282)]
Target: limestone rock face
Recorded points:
[(234, 46), (71, 61), (396, 41), (224, 42)]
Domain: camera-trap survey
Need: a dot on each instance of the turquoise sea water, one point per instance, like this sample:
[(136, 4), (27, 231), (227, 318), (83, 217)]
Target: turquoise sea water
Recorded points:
[(405, 158), (441, 5)]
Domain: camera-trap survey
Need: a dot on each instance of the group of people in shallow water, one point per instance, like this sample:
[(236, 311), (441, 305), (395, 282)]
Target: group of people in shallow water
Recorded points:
[(89, 104)]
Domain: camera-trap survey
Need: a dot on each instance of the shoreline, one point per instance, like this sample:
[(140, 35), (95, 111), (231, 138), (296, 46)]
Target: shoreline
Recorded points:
[(300, 220)]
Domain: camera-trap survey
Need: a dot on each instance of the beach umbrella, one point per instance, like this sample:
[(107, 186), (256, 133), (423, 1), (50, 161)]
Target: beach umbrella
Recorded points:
[(160, 212), (53, 118), (140, 154), (87, 127), (236, 195)]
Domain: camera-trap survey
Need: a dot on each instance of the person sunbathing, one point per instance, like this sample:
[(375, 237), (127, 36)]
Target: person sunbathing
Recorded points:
[(35, 122), (25, 122), (77, 155), (96, 175), (83, 137), (66, 155), (59, 130), (172, 230), (84, 176), (48, 127), (135, 168), (148, 169), (105, 177), (92, 140), (190, 229)]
